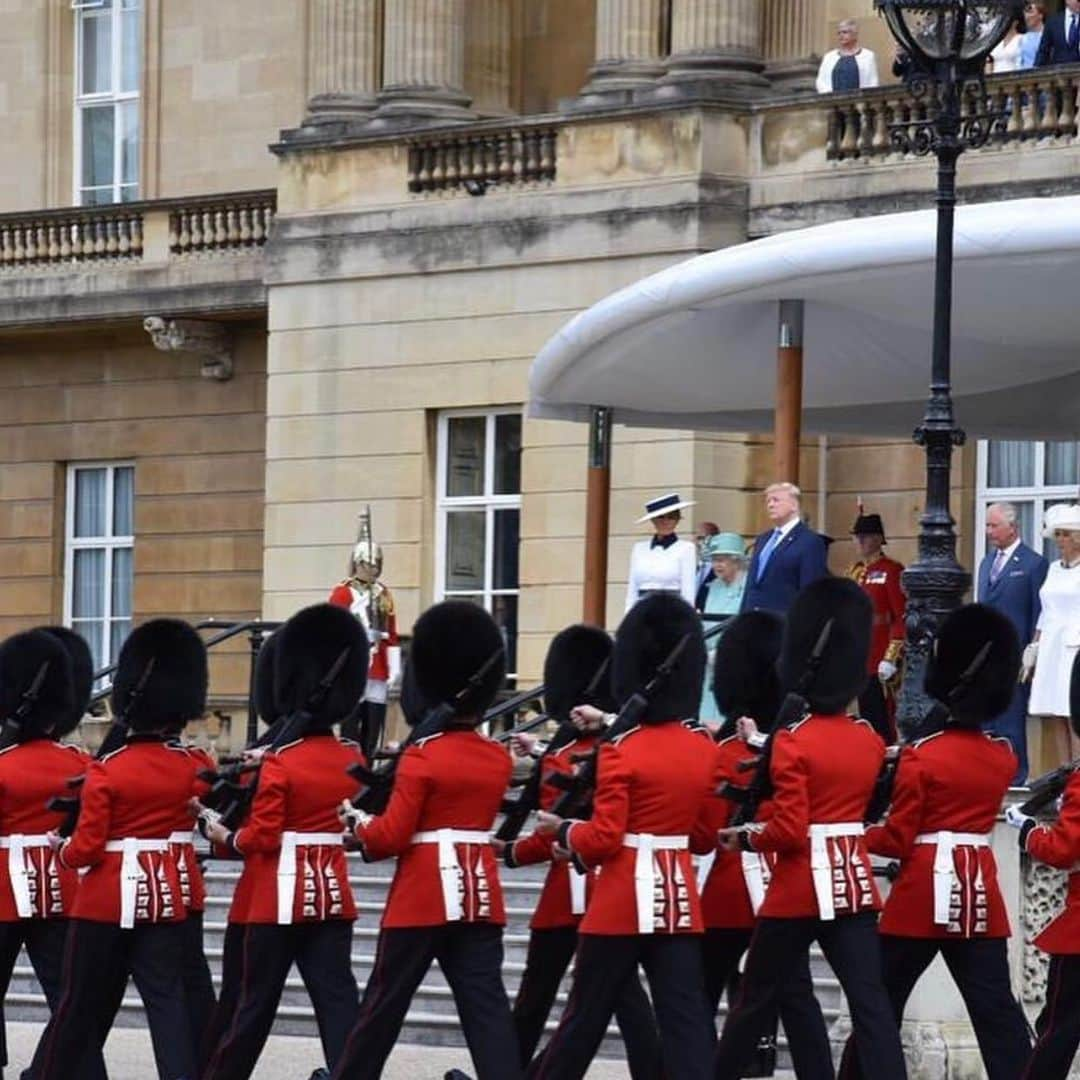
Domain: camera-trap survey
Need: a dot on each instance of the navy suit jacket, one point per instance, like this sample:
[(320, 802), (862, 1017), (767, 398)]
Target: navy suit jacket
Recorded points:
[(797, 560), (1016, 592), (1054, 45)]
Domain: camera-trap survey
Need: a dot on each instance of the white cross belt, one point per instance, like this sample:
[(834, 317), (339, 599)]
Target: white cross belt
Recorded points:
[(131, 872), (820, 864), (647, 844), (286, 872), (944, 869), (17, 845), (449, 868)]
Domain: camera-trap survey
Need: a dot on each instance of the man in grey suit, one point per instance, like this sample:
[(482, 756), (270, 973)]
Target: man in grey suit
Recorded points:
[(1010, 577)]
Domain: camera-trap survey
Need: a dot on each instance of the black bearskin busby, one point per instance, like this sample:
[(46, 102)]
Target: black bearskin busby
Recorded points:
[(82, 673), (310, 646), (1074, 695), (414, 706), (265, 663), (161, 677), (841, 673), (646, 637), (974, 664), (745, 682), (24, 658), (452, 642), (578, 663)]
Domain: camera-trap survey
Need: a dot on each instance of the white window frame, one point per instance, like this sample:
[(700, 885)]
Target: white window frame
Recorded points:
[(114, 97), (488, 501), (108, 543)]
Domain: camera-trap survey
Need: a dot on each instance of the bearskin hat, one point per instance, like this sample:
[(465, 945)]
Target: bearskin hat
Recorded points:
[(161, 676), (452, 642), (265, 663), (745, 682), (309, 646), (646, 637), (22, 658), (82, 673), (841, 673), (414, 706), (578, 658), (974, 635)]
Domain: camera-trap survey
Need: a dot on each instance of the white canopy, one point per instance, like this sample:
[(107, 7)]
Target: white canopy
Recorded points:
[(694, 346)]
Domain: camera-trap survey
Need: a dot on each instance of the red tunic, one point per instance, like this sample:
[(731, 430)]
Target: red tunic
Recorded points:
[(300, 787), (951, 781), (1059, 845), (454, 780), (880, 580), (135, 792), (652, 781), (823, 773), (345, 595), (192, 885), (30, 774)]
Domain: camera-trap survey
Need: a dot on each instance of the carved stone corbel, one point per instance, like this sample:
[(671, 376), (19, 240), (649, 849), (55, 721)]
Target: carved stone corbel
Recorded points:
[(210, 340)]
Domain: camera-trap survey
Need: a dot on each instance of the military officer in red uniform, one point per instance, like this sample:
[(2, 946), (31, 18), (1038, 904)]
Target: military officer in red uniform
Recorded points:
[(946, 797), (576, 657), (652, 783), (879, 578), (128, 913), (823, 769), (294, 892)]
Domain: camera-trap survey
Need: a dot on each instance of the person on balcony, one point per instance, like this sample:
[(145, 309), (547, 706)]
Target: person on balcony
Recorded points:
[(1006, 53), (664, 563), (718, 600), (1031, 39), (848, 67), (1061, 37)]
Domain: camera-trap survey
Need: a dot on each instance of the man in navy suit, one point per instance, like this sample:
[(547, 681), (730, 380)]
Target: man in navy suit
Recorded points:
[(1010, 577), (1060, 42), (786, 557)]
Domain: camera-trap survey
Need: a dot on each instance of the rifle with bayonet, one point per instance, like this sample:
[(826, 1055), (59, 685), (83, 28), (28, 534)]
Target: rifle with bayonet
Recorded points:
[(1045, 790)]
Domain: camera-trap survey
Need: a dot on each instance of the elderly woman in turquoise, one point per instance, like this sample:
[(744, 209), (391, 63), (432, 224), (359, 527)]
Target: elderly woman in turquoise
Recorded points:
[(719, 598)]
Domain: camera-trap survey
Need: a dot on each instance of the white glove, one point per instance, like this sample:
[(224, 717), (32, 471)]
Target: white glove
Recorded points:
[(1016, 817), (886, 670), (1027, 661)]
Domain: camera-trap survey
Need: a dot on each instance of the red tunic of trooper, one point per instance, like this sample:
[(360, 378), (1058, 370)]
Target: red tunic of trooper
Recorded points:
[(1059, 845), (880, 580), (192, 885)]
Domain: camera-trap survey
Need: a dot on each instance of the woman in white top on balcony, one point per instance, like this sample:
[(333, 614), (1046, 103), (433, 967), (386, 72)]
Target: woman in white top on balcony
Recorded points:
[(665, 563), (1005, 56)]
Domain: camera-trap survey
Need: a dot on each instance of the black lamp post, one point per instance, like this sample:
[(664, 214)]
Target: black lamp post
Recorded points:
[(947, 43)]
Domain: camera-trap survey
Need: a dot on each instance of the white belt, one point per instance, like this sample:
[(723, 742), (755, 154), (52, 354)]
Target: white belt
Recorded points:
[(944, 871), (754, 876), (286, 870), (131, 872), (577, 891), (17, 845), (820, 865), (645, 871), (449, 868), (184, 837)]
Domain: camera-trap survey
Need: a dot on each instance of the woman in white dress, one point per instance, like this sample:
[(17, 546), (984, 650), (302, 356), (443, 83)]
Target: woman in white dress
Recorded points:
[(1048, 660), (665, 563)]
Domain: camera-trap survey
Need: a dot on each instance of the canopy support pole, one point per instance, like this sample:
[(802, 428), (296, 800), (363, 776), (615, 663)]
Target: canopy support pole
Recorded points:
[(597, 514), (787, 423)]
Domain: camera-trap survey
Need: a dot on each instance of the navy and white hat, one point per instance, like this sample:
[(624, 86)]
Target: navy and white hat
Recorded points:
[(664, 504)]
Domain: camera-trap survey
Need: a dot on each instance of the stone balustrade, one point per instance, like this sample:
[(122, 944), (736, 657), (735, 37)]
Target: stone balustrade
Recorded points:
[(226, 223), (63, 237)]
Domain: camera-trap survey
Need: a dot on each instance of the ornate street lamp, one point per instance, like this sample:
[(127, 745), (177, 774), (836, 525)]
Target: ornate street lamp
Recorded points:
[(947, 43)]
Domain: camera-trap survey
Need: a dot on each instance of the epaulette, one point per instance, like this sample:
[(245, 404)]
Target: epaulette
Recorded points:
[(862, 720), (427, 738), (109, 756), (619, 738), (798, 724), (286, 746), (999, 738), (927, 738)]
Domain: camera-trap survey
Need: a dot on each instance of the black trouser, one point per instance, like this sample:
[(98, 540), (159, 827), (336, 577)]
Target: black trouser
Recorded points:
[(197, 980), (1058, 1026), (874, 708), (98, 957), (232, 969), (850, 945), (322, 954), (605, 963), (804, 1024), (549, 955), (470, 956), (980, 969)]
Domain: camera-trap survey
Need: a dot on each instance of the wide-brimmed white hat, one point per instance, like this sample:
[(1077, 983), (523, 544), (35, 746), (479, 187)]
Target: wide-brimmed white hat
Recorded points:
[(664, 504), (1061, 516)]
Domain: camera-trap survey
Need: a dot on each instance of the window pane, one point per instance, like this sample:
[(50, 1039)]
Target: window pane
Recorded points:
[(97, 146), (96, 54), (1025, 514), (129, 51), (92, 632), (465, 550), (507, 530), (121, 583), (123, 497), (465, 455), (1011, 463), (504, 612), (96, 196), (118, 632), (129, 142), (1062, 463), (88, 586), (507, 454), (90, 502)]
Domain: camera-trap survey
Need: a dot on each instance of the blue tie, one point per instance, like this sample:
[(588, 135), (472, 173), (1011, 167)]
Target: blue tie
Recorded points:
[(1073, 40), (766, 553)]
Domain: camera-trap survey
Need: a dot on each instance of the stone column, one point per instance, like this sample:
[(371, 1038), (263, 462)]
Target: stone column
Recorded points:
[(789, 34), (424, 62), (489, 76), (628, 51), (344, 59)]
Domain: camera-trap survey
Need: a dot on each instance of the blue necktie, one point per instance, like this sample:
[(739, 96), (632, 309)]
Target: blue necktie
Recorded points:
[(1073, 40), (766, 553)]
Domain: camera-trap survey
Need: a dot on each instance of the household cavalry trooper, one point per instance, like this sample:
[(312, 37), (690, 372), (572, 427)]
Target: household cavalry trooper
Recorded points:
[(45, 681), (733, 883), (445, 902), (128, 912), (946, 796), (577, 695), (823, 768), (294, 893), (652, 783), (1058, 845)]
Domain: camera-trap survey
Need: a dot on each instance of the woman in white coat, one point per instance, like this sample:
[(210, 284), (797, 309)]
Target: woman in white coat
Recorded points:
[(664, 563)]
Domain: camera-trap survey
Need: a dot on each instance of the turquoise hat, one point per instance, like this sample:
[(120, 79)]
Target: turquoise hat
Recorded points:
[(726, 543)]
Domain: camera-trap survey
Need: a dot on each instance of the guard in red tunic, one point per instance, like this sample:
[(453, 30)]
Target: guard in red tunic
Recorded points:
[(823, 768), (294, 892), (576, 657), (652, 783), (879, 577), (946, 797), (1058, 845), (445, 902), (128, 912)]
